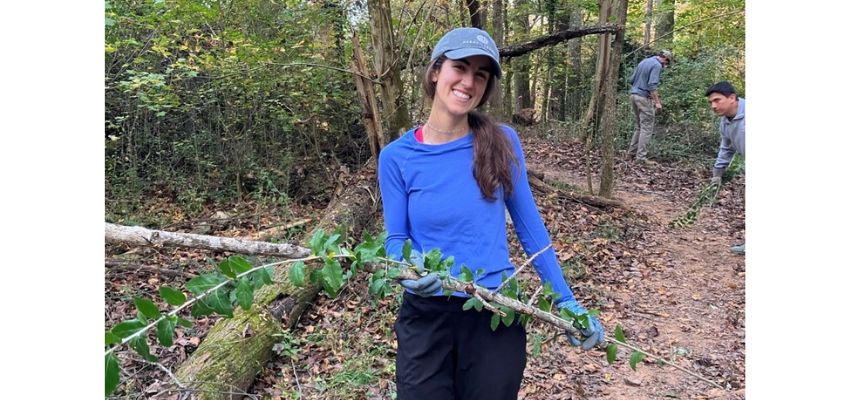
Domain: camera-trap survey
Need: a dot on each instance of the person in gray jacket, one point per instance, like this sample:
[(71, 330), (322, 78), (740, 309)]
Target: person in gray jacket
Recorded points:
[(645, 101), (730, 108)]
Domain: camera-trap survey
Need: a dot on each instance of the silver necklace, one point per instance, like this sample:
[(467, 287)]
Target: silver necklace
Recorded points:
[(443, 132)]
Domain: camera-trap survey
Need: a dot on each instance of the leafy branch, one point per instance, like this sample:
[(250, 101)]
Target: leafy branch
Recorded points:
[(708, 195), (235, 281)]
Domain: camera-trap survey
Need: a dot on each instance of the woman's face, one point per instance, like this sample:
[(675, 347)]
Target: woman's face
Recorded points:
[(461, 84)]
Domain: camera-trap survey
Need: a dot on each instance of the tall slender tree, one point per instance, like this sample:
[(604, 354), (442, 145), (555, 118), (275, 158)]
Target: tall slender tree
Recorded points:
[(647, 31), (474, 13), (522, 65), (388, 68), (497, 103), (609, 109), (665, 23), (573, 101)]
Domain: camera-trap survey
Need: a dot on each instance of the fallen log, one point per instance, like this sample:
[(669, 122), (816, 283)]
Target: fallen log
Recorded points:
[(236, 349), (535, 179), (139, 236)]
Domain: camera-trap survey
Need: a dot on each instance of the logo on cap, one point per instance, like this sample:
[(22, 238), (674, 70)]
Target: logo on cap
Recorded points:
[(481, 39)]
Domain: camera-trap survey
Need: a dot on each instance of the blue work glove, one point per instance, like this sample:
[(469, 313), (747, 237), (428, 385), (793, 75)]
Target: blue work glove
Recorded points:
[(594, 335), (425, 286)]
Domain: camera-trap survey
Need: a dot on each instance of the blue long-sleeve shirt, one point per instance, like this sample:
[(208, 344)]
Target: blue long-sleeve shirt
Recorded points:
[(431, 197), (646, 77), (732, 132)]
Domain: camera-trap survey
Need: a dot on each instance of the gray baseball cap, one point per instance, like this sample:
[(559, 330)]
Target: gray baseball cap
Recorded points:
[(667, 54), (466, 42)]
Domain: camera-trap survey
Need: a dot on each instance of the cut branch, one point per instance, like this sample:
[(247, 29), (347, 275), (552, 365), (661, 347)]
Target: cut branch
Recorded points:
[(535, 179), (139, 236), (553, 39)]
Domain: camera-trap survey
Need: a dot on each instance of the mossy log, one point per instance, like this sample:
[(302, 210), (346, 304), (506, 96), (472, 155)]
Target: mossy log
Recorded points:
[(237, 348)]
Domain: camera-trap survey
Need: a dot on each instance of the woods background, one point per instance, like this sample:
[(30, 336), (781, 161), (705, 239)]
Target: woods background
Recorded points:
[(207, 102)]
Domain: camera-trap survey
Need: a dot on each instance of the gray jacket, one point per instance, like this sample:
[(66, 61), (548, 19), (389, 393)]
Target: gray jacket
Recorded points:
[(731, 138)]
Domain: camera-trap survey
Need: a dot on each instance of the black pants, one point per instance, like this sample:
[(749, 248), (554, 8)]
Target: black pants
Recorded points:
[(445, 353)]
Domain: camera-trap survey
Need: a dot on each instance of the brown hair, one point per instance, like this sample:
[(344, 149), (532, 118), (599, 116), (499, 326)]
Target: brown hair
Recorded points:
[(492, 150)]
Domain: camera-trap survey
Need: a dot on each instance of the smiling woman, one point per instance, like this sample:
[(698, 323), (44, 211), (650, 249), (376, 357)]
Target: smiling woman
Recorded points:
[(445, 185)]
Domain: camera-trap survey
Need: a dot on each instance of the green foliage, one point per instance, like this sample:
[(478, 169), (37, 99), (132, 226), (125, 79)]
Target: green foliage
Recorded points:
[(113, 371), (635, 358), (708, 194), (216, 292), (208, 103), (287, 345), (171, 296), (233, 284)]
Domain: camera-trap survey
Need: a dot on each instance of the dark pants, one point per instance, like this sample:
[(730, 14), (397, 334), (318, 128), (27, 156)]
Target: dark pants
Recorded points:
[(445, 353)]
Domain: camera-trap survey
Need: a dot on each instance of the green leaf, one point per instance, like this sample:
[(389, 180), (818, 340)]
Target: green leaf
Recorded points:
[(508, 319), (544, 304), (140, 344), (367, 251), (266, 273), (316, 242), (165, 330), (469, 303), (239, 265), (619, 334), (147, 307), (113, 371), (636, 358), (202, 283), (377, 282), (112, 338), (127, 328), (199, 309), (172, 296), (219, 301), (244, 293), (331, 243), (478, 305), (432, 260), (332, 274), (494, 321), (465, 274), (611, 352), (296, 274), (184, 322), (226, 268)]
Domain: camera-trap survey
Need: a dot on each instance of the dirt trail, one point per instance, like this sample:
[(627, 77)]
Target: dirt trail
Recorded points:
[(684, 303)]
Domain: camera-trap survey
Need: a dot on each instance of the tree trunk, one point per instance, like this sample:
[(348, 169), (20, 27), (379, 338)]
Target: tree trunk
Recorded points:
[(587, 124), (647, 31), (371, 115), (574, 94), (497, 98), (237, 348), (389, 71), (665, 25), (609, 110), (550, 65), (522, 92), (474, 13)]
